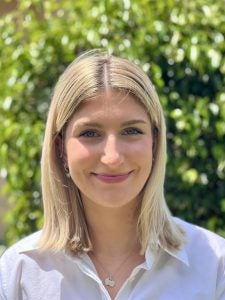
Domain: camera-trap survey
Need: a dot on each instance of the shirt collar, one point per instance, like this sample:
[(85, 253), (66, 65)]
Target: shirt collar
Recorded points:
[(29, 243), (150, 256), (180, 255)]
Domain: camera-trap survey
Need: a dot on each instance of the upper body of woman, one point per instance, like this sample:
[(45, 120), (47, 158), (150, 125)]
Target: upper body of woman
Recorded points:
[(108, 233)]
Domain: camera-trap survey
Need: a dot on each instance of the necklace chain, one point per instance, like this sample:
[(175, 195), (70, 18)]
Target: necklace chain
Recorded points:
[(110, 279)]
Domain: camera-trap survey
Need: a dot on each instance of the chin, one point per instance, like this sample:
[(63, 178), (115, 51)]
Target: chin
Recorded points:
[(117, 203)]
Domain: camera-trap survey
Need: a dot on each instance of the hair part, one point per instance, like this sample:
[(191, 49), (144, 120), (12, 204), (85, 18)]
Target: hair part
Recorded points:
[(65, 225)]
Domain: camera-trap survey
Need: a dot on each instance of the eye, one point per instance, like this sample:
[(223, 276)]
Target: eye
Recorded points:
[(89, 134), (132, 131)]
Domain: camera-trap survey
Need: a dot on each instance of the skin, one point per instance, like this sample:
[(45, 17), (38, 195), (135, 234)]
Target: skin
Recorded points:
[(108, 150)]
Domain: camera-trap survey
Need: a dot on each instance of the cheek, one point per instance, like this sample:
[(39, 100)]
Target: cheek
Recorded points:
[(144, 158), (77, 152), (143, 150)]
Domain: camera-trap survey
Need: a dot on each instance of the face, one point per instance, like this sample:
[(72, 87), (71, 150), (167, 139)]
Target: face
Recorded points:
[(108, 146)]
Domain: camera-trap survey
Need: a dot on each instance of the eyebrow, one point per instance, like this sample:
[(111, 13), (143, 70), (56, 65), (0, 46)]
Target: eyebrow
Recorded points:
[(133, 122), (97, 125)]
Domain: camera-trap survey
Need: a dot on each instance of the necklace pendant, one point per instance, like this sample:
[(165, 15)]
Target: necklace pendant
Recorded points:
[(109, 282)]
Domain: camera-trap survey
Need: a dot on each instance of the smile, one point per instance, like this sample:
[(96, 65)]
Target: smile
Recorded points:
[(112, 178)]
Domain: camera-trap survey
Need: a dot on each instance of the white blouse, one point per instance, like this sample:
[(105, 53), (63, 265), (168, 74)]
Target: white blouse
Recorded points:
[(196, 272)]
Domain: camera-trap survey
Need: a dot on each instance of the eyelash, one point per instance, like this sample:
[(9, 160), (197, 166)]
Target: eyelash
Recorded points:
[(94, 134), (89, 134), (132, 131)]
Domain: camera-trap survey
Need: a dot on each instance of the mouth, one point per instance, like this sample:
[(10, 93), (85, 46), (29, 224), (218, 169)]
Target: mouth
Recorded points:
[(112, 178)]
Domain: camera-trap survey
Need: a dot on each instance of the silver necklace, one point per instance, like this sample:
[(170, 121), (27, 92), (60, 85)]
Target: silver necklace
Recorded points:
[(110, 279)]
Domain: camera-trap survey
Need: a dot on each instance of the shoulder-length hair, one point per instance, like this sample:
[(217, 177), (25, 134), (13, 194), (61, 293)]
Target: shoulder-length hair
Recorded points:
[(65, 226)]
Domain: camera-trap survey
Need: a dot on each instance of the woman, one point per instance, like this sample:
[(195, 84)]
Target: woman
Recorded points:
[(108, 233)]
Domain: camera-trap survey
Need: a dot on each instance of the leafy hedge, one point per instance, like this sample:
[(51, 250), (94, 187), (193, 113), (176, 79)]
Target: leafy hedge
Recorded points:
[(180, 44)]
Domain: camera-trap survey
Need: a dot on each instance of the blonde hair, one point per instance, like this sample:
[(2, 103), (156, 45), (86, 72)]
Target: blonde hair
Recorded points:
[(65, 226)]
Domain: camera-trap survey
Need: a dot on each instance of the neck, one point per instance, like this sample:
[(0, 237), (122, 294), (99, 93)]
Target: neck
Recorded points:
[(113, 231)]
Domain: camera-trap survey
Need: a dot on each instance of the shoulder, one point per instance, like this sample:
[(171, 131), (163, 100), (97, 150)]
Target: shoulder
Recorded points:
[(206, 255), (198, 236), (28, 243), (203, 246), (13, 254), (12, 260)]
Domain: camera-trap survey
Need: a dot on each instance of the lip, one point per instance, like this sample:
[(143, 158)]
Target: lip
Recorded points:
[(112, 178)]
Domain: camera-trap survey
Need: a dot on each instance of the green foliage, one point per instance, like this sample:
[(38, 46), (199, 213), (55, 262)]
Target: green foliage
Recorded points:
[(180, 44)]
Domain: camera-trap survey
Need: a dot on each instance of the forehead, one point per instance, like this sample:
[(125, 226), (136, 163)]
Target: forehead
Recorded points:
[(111, 103)]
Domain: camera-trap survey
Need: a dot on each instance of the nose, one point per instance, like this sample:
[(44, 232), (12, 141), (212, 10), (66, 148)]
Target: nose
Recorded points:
[(112, 155)]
